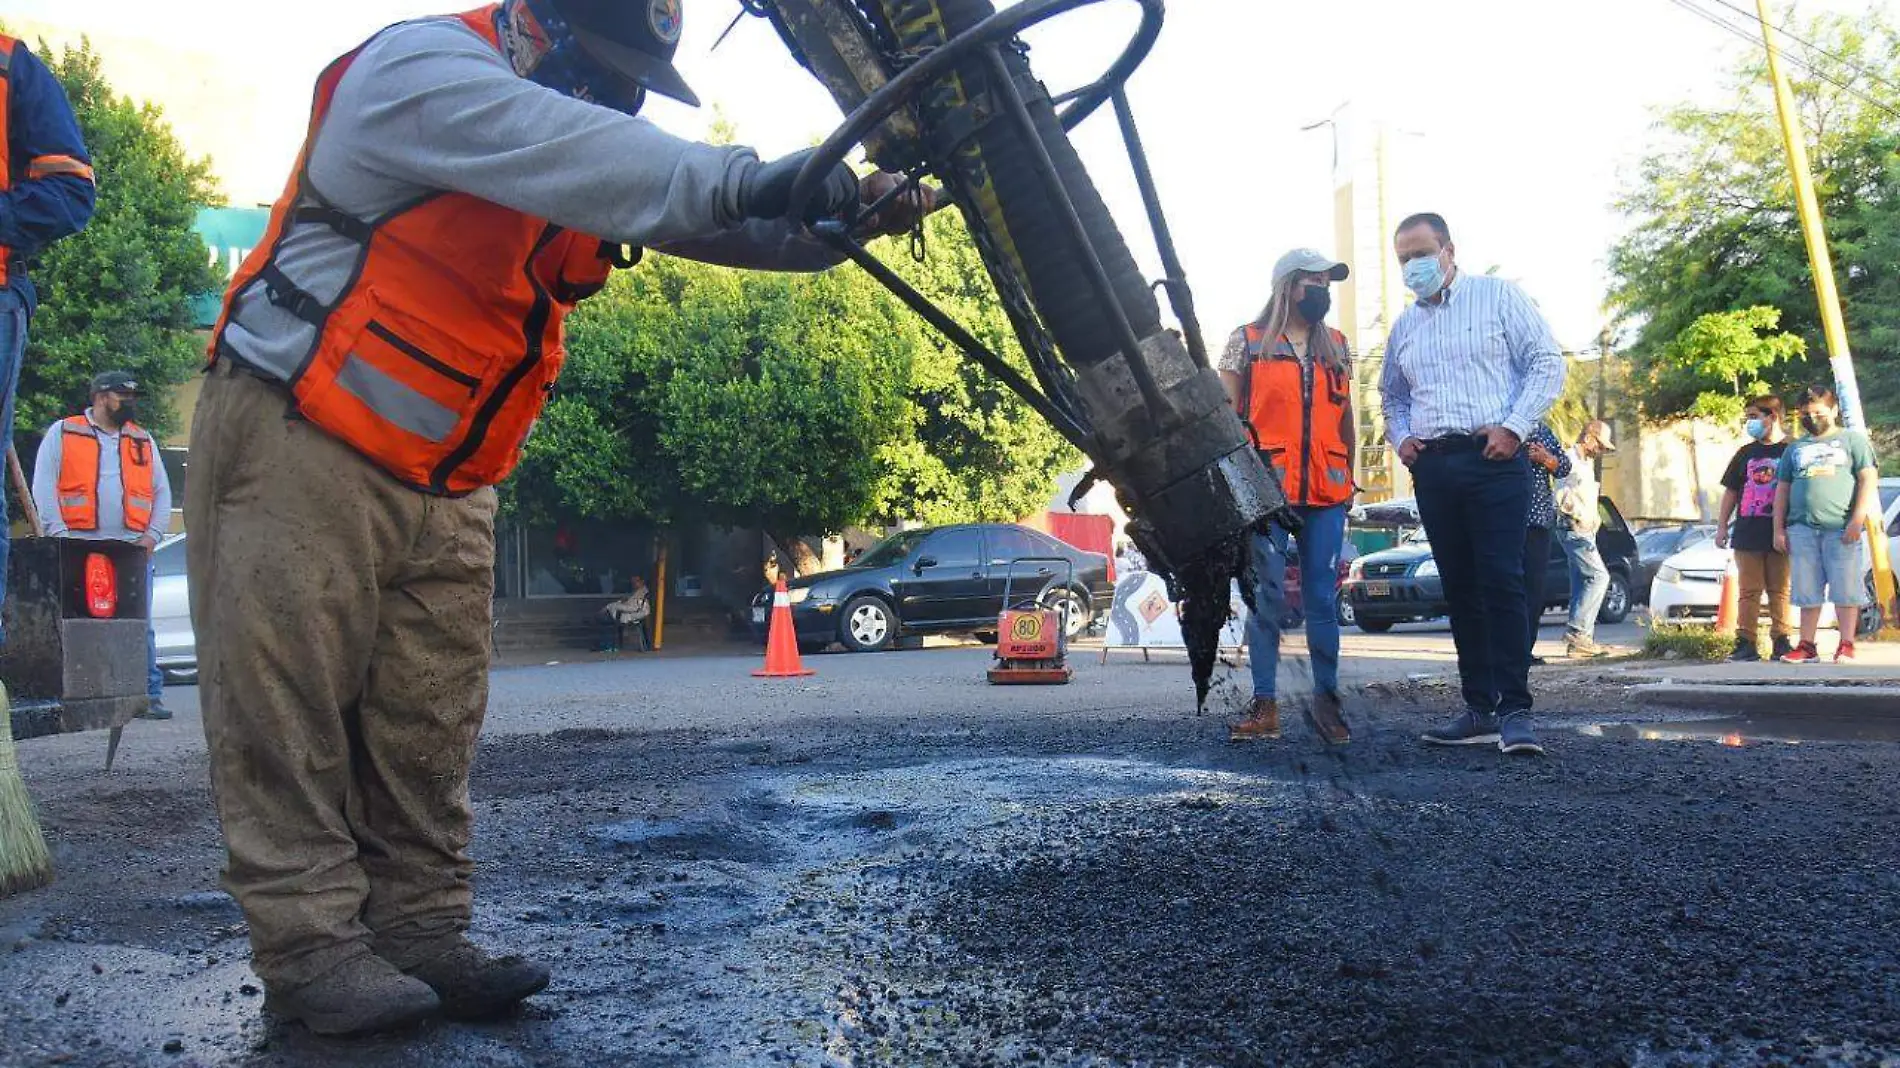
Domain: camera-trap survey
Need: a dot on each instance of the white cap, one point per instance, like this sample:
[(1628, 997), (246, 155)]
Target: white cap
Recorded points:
[(1602, 431), (1308, 261)]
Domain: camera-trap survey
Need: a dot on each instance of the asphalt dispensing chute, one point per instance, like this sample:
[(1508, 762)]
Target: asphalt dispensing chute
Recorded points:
[(943, 88)]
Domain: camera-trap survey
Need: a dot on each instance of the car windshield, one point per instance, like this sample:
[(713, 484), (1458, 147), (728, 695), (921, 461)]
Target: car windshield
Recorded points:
[(892, 550)]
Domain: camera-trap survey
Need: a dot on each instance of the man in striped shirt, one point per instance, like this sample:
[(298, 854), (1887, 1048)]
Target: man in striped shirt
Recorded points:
[(1470, 369)]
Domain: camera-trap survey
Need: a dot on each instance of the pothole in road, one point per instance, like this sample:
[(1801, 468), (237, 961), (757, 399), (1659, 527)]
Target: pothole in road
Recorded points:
[(1791, 728)]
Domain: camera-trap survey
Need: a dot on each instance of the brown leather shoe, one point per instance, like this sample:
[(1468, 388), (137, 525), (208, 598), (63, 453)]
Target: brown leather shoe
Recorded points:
[(364, 995), (1262, 722), (1324, 714)]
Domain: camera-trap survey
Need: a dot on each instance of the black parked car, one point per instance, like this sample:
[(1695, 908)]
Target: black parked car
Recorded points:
[(1401, 584), (937, 581)]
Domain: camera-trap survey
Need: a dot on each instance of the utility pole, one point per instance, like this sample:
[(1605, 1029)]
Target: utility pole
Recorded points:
[(1833, 325)]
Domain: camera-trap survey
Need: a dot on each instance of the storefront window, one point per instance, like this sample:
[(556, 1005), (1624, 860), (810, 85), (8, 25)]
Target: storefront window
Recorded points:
[(586, 559)]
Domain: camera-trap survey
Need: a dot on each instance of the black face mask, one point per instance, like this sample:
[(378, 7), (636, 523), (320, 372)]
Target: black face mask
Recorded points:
[(1314, 303), (126, 412)]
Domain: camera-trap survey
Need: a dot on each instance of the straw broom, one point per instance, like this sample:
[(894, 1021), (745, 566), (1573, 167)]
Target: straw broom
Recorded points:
[(25, 863)]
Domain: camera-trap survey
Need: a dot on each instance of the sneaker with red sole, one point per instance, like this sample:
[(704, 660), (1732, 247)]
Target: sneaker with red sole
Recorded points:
[(1845, 654), (1804, 653)]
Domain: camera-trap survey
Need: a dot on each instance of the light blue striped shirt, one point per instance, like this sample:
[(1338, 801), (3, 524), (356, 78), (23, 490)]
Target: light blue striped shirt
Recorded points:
[(1483, 356)]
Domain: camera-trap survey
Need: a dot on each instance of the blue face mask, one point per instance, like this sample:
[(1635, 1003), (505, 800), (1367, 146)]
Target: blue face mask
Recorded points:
[(1425, 276), (1755, 429)]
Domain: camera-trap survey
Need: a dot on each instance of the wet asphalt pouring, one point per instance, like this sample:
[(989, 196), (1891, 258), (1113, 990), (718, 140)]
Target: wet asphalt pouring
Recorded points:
[(896, 865)]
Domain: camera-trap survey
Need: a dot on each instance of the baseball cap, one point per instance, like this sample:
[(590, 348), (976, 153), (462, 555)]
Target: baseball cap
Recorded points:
[(114, 382), (1308, 261), (1602, 431), (635, 39)]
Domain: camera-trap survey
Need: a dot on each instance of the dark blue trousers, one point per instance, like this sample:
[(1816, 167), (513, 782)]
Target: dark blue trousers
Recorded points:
[(1474, 511)]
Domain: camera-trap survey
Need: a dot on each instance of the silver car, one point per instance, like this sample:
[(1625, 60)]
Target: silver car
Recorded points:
[(171, 611)]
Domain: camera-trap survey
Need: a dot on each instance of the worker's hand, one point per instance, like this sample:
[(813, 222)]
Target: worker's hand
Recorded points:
[(1781, 541), (765, 189), (1721, 538), (1499, 443), (1540, 456), (1409, 450), (1851, 536), (149, 543), (900, 214)]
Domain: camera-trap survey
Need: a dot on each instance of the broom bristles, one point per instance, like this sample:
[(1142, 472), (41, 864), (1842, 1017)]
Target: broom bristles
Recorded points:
[(25, 863)]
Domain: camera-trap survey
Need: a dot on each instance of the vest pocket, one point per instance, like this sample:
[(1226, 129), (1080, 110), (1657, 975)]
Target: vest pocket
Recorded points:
[(407, 373)]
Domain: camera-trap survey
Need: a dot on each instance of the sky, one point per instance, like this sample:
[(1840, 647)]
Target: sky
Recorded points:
[(1519, 121)]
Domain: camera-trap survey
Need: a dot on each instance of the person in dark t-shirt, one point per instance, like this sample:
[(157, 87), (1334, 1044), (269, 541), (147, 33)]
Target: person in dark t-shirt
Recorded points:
[(1749, 498)]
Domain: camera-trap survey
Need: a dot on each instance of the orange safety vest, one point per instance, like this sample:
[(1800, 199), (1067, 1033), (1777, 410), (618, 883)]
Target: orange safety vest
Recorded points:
[(1296, 423), (38, 166), (445, 338), (79, 457)]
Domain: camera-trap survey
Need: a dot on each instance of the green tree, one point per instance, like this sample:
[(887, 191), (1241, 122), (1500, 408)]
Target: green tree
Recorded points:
[(1717, 362), (118, 294), (1714, 230)]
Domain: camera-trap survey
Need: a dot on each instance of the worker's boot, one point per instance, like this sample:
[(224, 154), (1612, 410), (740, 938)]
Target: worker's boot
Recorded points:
[(472, 984), (1262, 722), (1325, 716), (361, 996)]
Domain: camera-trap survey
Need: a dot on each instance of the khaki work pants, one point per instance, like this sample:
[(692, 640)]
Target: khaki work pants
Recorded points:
[(343, 639), (1755, 573)]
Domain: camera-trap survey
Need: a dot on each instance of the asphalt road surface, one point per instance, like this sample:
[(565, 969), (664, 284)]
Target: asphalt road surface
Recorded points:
[(893, 863)]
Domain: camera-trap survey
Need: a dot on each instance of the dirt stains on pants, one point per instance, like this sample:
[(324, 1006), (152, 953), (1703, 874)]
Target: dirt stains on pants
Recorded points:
[(343, 639)]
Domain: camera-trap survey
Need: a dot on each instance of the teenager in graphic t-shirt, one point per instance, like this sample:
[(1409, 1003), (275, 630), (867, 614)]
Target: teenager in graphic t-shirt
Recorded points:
[(1826, 495), (1749, 498)]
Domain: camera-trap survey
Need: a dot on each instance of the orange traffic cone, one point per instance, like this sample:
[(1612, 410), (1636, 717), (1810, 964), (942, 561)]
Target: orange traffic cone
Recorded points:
[(1730, 605), (781, 642)]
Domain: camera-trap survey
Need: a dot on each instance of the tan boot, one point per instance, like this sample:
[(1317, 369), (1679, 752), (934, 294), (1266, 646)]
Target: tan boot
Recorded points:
[(1262, 722), (1324, 713), (364, 995), (472, 984)]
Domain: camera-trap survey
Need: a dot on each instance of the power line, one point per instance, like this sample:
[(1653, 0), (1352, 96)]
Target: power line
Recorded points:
[(1749, 37), (1865, 72)]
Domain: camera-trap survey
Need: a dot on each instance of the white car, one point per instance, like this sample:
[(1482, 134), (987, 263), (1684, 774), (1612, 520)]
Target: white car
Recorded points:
[(171, 611), (1689, 584)]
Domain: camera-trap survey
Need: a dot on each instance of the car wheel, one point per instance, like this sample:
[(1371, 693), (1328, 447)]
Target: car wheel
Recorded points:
[(1870, 612), (1346, 614), (1375, 626), (868, 625), (1076, 618), (1616, 601)]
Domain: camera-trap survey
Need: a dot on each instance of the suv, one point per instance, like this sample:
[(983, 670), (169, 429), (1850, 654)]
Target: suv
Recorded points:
[(1401, 584), (944, 580)]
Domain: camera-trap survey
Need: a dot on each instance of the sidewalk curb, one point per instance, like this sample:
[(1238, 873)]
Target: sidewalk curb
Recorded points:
[(1718, 697)]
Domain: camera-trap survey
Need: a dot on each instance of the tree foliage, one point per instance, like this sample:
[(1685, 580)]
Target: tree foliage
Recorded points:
[(118, 294), (1717, 362), (1714, 228), (796, 403)]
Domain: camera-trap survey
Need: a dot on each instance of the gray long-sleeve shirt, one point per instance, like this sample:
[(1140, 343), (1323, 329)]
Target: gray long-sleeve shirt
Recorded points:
[(430, 105), (112, 526)]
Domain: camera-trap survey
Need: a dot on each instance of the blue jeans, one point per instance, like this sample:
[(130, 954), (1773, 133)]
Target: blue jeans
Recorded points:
[(1322, 532), (1823, 569), (15, 310), (1589, 581), (1475, 513)]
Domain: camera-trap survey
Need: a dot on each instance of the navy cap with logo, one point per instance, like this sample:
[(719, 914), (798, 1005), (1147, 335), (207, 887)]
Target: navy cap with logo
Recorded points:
[(114, 382), (635, 39)]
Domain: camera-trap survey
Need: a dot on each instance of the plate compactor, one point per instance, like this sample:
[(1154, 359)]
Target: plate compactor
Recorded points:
[(1032, 638)]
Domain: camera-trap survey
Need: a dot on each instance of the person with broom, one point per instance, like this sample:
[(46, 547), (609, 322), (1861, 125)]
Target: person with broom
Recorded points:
[(47, 192)]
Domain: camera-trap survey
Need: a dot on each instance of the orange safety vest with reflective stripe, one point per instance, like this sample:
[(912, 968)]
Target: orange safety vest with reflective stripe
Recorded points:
[(1297, 411), (79, 457), (445, 339), (38, 166)]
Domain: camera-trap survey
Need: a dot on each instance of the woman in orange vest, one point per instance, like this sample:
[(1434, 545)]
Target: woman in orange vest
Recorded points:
[(1290, 378)]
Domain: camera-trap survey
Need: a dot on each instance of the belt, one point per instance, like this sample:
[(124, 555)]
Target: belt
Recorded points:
[(1453, 443)]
